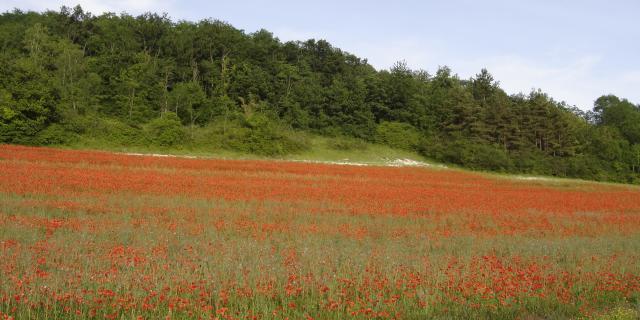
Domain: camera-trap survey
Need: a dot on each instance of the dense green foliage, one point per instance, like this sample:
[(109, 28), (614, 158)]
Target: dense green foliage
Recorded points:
[(146, 80)]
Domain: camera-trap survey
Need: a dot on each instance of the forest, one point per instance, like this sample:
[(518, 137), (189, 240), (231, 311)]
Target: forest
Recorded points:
[(148, 80)]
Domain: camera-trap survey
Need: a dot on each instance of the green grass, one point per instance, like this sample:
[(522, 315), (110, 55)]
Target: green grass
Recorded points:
[(320, 150), (619, 313)]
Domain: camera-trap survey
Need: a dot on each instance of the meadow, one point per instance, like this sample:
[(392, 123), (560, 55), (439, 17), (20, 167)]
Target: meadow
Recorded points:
[(88, 234)]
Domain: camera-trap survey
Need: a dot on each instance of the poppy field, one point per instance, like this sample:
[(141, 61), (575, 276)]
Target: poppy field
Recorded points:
[(87, 234)]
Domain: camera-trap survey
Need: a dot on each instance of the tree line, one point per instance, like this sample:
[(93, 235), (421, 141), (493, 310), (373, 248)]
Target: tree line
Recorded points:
[(146, 79)]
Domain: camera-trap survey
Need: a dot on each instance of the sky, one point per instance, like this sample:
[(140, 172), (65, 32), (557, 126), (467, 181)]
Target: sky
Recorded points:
[(574, 50)]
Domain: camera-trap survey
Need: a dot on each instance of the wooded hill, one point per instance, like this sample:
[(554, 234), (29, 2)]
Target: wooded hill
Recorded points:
[(146, 80)]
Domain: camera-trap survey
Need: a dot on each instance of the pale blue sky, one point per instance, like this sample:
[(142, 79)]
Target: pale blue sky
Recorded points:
[(574, 50)]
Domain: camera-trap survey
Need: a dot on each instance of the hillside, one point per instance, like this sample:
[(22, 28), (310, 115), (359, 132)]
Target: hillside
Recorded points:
[(70, 78)]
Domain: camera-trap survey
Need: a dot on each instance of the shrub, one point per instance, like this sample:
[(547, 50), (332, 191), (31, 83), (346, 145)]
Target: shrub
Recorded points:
[(166, 131), (63, 133), (260, 135), (397, 135), (469, 154), (488, 157), (114, 132), (54, 134), (345, 143), (532, 162)]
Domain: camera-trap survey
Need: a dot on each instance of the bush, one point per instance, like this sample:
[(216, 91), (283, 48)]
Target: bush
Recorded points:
[(345, 143), (488, 157), (66, 132), (260, 135), (79, 124), (55, 134), (469, 154), (114, 132), (532, 162), (398, 135), (432, 147), (166, 131)]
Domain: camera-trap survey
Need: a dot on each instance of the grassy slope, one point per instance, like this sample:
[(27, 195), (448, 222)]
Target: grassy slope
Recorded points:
[(319, 151)]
